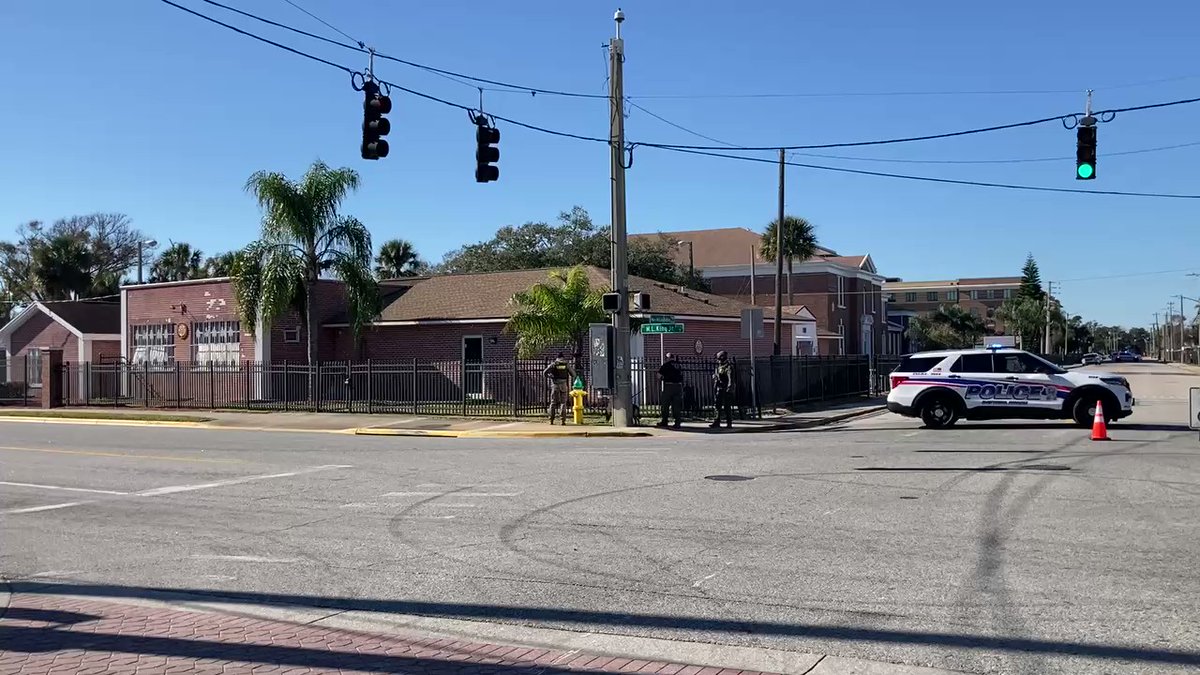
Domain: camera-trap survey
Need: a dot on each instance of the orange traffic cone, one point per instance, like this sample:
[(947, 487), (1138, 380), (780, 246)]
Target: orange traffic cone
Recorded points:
[(1099, 427)]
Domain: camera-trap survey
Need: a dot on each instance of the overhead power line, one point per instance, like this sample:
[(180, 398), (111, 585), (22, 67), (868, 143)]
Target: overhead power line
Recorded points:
[(327, 24), (699, 150)]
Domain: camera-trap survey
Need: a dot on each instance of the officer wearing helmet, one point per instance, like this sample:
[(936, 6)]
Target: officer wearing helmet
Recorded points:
[(560, 372), (723, 384)]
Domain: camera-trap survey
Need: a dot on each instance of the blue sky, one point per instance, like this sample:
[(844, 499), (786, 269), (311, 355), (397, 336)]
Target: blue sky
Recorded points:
[(134, 106)]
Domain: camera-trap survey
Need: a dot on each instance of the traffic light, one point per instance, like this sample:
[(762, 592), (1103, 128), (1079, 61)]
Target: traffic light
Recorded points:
[(486, 152), (375, 125), (1085, 153)]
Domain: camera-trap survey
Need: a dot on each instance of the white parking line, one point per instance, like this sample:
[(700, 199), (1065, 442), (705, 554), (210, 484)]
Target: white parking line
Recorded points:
[(173, 489), (456, 495), (60, 487), (51, 507)]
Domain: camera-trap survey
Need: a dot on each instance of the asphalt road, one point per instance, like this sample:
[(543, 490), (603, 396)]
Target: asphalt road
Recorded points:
[(998, 547)]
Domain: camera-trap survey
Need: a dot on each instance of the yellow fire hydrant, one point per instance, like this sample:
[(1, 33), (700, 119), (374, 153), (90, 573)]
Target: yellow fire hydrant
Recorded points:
[(577, 394)]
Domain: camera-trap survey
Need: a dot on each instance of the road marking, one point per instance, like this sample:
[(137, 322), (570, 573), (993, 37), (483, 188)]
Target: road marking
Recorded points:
[(911, 434), (94, 453), (456, 495), (246, 558), (173, 489), (56, 574), (697, 584), (615, 452), (51, 507), (60, 487)]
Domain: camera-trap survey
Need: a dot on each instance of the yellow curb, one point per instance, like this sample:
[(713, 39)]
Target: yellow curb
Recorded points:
[(106, 422), (373, 431)]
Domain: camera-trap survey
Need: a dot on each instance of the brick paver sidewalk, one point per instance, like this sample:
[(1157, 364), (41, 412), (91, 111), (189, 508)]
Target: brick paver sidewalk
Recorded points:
[(50, 634)]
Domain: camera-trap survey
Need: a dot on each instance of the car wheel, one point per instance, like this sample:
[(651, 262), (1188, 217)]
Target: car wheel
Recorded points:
[(1084, 411), (939, 411)]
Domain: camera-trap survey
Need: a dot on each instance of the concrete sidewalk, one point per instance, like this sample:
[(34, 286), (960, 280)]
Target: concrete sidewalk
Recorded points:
[(425, 425), (51, 633)]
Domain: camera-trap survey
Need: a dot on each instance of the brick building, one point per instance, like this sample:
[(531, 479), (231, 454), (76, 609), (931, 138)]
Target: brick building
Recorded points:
[(86, 331), (842, 293), (980, 296)]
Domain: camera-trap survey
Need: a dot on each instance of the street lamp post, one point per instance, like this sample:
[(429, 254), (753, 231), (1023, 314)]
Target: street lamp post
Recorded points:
[(145, 243), (691, 258)]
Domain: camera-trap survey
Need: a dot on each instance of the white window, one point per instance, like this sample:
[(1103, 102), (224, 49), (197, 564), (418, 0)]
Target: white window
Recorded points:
[(33, 367), (841, 291), (218, 343), (952, 295), (841, 342), (291, 336), (154, 345), (871, 299)]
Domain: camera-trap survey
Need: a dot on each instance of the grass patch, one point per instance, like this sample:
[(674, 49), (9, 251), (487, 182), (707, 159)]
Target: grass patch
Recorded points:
[(101, 415)]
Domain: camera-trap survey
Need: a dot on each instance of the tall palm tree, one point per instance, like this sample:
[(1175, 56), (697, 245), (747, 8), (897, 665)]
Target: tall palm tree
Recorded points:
[(397, 258), (179, 262), (220, 265), (799, 242), (304, 238), (557, 311), (61, 267)]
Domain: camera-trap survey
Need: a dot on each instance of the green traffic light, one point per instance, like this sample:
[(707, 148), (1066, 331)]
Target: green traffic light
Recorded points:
[(1086, 170)]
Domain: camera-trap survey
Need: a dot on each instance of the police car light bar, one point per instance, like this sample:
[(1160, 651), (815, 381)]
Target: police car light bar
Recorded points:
[(994, 347)]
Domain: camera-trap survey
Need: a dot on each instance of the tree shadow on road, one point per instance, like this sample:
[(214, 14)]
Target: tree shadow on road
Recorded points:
[(13, 638)]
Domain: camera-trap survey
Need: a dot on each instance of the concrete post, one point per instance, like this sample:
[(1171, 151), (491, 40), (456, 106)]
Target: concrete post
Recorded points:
[(52, 380)]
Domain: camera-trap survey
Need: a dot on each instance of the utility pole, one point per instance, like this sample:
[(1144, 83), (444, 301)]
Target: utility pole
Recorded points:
[(1167, 328), (1154, 347), (779, 264), (1049, 297), (1182, 323), (753, 274), (622, 415)]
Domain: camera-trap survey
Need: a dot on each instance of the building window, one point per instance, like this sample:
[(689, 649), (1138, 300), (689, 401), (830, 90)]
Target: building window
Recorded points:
[(154, 345), (891, 297), (218, 343), (841, 291), (976, 295), (1008, 293), (871, 301), (952, 295), (841, 342), (291, 336), (910, 297), (931, 296), (33, 367)]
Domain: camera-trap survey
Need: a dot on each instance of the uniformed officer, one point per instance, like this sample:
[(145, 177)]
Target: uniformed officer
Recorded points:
[(560, 372), (723, 384)]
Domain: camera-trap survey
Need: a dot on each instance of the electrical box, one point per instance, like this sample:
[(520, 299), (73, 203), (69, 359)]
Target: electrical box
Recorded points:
[(641, 301), (600, 343), (611, 303)]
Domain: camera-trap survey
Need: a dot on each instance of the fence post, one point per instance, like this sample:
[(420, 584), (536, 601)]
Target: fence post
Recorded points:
[(415, 398), (287, 396), (212, 385), (315, 379), (178, 388), (515, 387), (146, 384), (87, 382), (462, 383), (370, 388)]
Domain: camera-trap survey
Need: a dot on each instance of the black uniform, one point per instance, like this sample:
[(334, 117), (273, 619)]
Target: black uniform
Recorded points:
[(671, 399), (723, 383)]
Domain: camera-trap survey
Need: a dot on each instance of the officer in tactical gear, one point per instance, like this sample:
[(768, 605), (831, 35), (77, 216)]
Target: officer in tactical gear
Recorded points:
[(723, 384), (560, 372)]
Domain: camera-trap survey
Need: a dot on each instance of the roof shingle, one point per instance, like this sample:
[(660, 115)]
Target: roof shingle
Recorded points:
[(89, 316)]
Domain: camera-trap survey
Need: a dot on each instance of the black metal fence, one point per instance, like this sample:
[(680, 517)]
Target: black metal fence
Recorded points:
[(14, 386), (452, 388)]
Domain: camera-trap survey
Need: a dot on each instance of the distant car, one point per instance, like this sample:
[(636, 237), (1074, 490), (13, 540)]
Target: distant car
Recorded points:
[(1127, 357), (1001, 383), (1091, 358)]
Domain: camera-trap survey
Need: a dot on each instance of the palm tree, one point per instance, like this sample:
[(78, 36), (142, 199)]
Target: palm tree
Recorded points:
[(557, 311), (220, 265), (61, 267), (950, 327), (304, 238), (397, 258), (179, 262), (799, 241)]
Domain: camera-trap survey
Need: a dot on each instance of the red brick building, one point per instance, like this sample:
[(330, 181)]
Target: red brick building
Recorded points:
[(86, 331), (843, 293)]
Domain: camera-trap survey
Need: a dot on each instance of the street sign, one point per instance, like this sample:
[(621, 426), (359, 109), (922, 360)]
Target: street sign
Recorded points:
[(662, 318), (752, 322), (661, 328)]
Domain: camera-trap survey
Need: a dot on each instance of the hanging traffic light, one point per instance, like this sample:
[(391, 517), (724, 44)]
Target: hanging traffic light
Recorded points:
[(1085, 152), (486, 152), (375, 125)]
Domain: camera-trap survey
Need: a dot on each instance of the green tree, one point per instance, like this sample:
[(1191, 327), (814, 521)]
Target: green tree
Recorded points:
[(799, 242), (398, 258), (1031, 280), (304, 238), (110, 240), (1026, 316), (574, 240), (221, 265), (61, 268), (556, 312), (178, 262), (950, 327)]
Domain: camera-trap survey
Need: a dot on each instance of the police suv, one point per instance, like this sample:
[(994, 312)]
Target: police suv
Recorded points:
[(1001, 383)]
